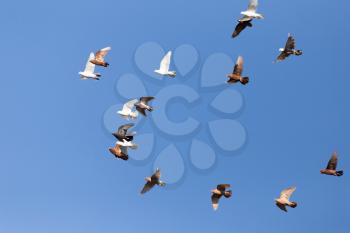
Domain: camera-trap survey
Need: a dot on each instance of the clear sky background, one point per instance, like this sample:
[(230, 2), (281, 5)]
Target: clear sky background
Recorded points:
[(55, 171)]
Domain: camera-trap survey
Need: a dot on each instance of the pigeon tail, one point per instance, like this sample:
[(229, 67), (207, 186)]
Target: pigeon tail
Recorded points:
[(293, 204), (228, 194), (339, 173), (244, 80)]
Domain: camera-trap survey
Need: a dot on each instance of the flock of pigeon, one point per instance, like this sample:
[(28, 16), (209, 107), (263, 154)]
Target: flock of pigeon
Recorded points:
[(125, 138)]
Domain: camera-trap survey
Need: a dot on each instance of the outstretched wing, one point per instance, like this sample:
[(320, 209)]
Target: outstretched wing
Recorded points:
[(238, 69), (287, 192), (165, 63), (156, 175), (102, 53), (122, 130), (89, 67), (290, 44), (148, 186), (223, 187), (128, 106), (253, 4), (215, 200), (332, 163), (282, 56), (146, 99), (141, 110), (281, 206)]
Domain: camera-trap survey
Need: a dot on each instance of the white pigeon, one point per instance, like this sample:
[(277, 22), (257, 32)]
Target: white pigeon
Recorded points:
[(88, 73), (127, 112), (283, 201), (251, 12), (126, 143), (164, 66)]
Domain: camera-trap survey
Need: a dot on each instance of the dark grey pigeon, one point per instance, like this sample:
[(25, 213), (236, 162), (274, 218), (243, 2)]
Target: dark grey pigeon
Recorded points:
[(242, 24), (142, 105), (122, 133)]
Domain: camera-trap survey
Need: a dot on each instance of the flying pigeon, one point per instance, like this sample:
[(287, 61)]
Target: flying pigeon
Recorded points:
[(236, 75), (126, 143), (217, 193), (122, 133), (88, 73), (142, 105), (332, 166), (152, 181), (119, 152), (283, 201), (165, 65), (127, 112), (251, 12), (242, 24), (289, 49), (99, 57)]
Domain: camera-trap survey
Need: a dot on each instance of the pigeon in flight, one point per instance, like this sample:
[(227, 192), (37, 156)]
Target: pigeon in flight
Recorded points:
[(217, 193), (119, 151), (88, 73), (251, 12), (127, 112), (165, 65), (236, 75), (283, 201), (152, 181), (99, 57), (332, 166), (122, 133), (242, 24), (142, 105), (289, 49)]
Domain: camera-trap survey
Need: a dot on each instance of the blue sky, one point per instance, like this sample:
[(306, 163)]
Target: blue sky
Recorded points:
[(55, 171)]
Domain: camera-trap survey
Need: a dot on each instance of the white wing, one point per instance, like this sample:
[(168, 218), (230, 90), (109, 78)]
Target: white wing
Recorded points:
[(90, 68), (128, 106), (253, 4), (165, 63), (287, 192)]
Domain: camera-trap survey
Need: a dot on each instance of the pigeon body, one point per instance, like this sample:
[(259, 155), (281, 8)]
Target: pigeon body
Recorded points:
[(283, 201), (242, 24), (165, 65), (119, 152), (217, 193), (236, 75), (89, 72), (152, 181), (142, 105), (332, 166), (128, 144), (99, 57), (127, 112), (251, 12), (289, 49), (122, 133)]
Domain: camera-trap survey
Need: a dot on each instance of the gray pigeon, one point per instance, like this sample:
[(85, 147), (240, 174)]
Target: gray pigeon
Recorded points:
[(122, 133), (152, 181), (332, 166), (142, 105)]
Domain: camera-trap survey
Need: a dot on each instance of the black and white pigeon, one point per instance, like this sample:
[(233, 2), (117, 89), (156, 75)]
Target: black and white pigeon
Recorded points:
[(122, 133)]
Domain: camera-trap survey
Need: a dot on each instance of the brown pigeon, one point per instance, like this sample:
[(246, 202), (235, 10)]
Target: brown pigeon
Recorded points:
[(119, 152), (242, 24), (236, 75), (99, 57), (283, 201), (332, 166), (217, 193), (152, 181), (289, 49)]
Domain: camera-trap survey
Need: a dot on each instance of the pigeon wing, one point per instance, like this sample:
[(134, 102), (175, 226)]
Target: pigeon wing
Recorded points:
[(156, 175), (148, 186), (332, 163), (239, 28), (122, 130), (281, 206), (238, 69), (287, 192), (290, 44), (89, 67), (215, 201), (282, 56), (102, 53), (165, 63), (128, 106), (253, 4), (141, 110), (223, 187), (146, 99)]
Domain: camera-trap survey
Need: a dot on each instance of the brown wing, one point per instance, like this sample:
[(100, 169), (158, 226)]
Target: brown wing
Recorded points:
[(223, 187), (282, 56), (281, 206), (242, 24), (332, 163), (146, 99), (99, 55), (156, 175), (215, 201), (238, 69), (148, 186), (141, 110), (290, 44)]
